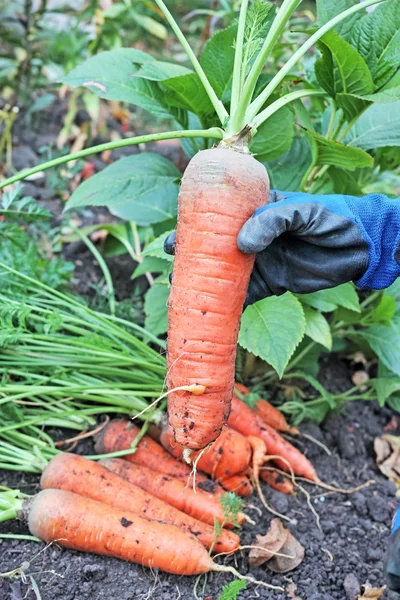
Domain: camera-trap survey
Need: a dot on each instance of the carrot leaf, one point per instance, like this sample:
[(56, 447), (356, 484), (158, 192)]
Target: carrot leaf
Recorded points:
[(232, 590)]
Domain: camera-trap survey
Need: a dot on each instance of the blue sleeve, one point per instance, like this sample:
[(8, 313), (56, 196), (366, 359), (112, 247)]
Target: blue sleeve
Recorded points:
[(379, 219)]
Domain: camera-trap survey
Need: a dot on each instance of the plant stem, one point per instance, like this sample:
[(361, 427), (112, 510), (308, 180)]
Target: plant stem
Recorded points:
[(213, 132), (331, 120), (238, 119), (215, 101), (275, 106), (258, 103), (238, 64)]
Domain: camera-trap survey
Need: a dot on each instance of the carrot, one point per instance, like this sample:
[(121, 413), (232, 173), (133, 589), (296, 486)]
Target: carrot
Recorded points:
[(239, 484), (220, 190), (87, 478), (244, 420), (228, 456), (277, 481), (120, 434), (85, 524), (198, 504), (268, 413)]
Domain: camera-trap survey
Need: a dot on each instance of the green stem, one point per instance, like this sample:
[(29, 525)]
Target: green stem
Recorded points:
[(215, 101), (331, 120), (258, 103), (238, 64), (238, 119), (213, 132), (16, 536), (275, 106)]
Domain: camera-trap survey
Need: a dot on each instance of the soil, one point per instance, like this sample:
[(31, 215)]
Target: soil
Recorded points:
[(346, 553)]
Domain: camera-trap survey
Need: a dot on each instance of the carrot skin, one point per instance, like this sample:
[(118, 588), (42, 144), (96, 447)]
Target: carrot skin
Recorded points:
[(119, 435), (276, 481), (239, 485), (199, 505), (220, 190), (84, 524), (268, 413), (87, 478), (243, 419)]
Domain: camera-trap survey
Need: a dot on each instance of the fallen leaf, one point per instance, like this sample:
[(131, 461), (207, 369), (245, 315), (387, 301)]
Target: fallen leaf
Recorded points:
[(387, 450), (371, 593), (278, 548)]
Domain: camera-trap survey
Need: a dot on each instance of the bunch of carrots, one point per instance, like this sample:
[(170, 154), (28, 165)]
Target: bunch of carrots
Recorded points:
[(140, 507)]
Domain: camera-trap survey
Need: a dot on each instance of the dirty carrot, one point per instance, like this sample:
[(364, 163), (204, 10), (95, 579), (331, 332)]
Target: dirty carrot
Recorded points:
[(120, 434), (244, 420), (228, 456), (276, 481), (268, 413), (239, 485), (220, 190), (77, 474), (198, 504)]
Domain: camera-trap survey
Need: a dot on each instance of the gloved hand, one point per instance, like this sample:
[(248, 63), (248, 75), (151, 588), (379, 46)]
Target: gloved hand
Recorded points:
[(306, 243), (392, 560)]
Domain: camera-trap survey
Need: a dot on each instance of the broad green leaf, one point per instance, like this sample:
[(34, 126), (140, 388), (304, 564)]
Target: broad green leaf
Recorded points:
[(287, 172), (308, 361), (187, 92), (341, 72), (111, 75), (385, 384), (156, 70), (141, 188), (378, 127), (385, 342), (327, 9), (217, 60), (385, 310), (317, 327), (377, 38), (272, 328), (384, 96), (155, 308), (150, 264), (338, 155), (156, 248), (275, 136), (344, 182), (328, 300)]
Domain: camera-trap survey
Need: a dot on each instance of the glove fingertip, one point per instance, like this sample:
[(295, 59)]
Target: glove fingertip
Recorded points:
[(170, 243)]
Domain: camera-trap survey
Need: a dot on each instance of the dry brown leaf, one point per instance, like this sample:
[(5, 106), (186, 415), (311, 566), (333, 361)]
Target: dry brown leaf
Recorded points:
[(278, 548), (387, 450), (371, 593)]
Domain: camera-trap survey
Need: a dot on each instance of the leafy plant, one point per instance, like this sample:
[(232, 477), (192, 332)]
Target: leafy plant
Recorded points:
[(317, 120)]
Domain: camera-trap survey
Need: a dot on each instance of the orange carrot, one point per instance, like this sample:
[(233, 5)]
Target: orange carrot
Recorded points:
[(119, 435), (268, 413), (277, 481), (198, 504), (85, 524), (239, 484), (243, 419), (228, 456), (220, 190), (87, 478)]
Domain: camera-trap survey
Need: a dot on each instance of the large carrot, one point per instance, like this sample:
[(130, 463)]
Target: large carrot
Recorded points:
[(268, 413), (87, 478), (239, 485), (119, 435), (243, 419), (277, 481), (228, 456), (199, 504), (85, 524), (220, 190)]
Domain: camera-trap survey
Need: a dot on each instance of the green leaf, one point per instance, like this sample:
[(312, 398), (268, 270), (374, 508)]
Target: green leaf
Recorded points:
[(377, 38), (151, 25), (385, 96), (140, 188), (272, 328), (111, 75), (385, 311), (327, 9), (336, 154), (385, 342), (156, 248), (275, 136), (187, 92), (217, 60), (287, 172), (155, 308), (378, 127), (342, 72), (150, 264), (328, 300), (344, 183), (385, 384), (309, 362), (317, 327), (160, 71), (232, 590)]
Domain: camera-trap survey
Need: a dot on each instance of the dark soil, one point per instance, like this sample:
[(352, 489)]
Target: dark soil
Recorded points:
[(347, 553)]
